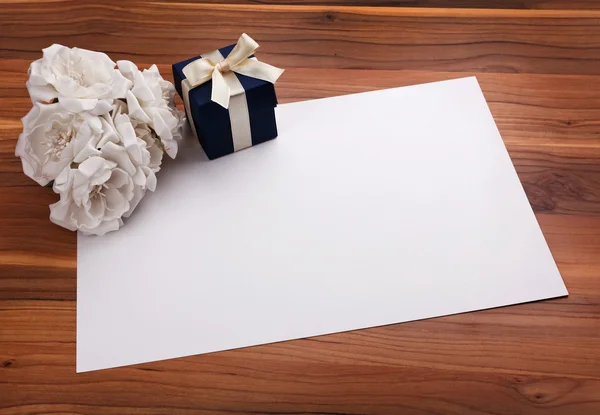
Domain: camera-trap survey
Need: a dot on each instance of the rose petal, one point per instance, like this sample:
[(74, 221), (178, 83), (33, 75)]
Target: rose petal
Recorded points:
[(92, 172), (150, 179), (140, 89), (139, 178), (118, 179), (136, 148), (99, 58), (68, 87), (120, 85), (102, 228), (125, 129), (77, 104), (41, 93), (60, 215), (49, 52), (64, 182), (118, 154), (29, 120), (83, 219), (102, 107), (171, 147), (90, 167), (98, 206), (28, 162), (138, 194), (109, 133), (98, 90), (135, 110), (84, 144), (127, 68), (94, 122), (115, 202)]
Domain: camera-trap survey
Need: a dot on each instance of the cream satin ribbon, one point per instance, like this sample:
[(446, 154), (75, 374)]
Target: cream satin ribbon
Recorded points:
[(227, 89), (213, 67)]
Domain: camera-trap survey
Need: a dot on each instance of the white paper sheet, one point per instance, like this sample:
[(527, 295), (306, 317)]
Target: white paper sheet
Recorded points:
[(369, 209)]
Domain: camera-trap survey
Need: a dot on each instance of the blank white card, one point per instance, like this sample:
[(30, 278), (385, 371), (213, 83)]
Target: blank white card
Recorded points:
[(368, 209)]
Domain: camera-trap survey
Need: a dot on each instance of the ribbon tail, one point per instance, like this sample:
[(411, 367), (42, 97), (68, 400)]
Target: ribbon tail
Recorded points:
[(186, 87), (260, 70), (220, 90)]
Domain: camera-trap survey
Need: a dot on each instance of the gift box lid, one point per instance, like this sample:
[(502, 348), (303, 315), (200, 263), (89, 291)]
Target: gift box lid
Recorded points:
[(259, 94)]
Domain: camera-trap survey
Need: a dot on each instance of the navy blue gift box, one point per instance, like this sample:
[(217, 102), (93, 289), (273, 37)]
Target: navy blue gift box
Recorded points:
[(212, 121)]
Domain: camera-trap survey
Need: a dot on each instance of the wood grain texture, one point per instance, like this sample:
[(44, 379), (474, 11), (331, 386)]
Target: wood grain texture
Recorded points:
[(540, 72), (561, 42), (487, 4), (481, 4)]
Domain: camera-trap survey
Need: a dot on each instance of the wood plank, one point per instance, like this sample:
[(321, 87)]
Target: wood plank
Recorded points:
[(484, 4), (477, 4), (276, 386), (532, 357), (334, 37)]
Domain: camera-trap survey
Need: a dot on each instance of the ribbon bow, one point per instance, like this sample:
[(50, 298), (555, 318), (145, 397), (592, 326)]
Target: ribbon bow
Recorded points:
[(204, 69)]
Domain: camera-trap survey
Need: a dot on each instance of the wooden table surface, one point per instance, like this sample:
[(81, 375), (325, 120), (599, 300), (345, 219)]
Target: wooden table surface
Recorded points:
[(538, 63)]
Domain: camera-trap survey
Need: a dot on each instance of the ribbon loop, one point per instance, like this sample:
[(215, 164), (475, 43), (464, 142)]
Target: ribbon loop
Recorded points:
[(244, 47), (202, 70)]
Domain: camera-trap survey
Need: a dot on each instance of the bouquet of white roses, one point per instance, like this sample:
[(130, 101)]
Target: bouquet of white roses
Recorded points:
[(97, 132)]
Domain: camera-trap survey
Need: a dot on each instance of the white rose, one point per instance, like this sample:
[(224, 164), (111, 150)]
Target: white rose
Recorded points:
[(95, 195), (82, 80), (102, 189), (53, 138), (151, 101)]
